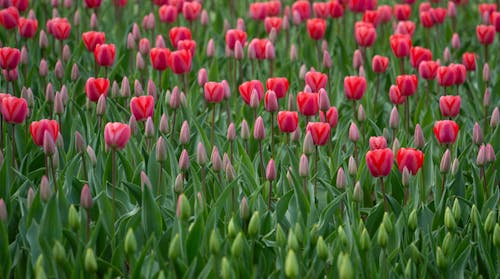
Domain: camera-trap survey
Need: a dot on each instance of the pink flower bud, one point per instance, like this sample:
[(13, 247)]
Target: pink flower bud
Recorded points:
[(352, 167), (271, 101), (240, 24), (245, 130), (58, 104), (394, 118), (357, 59), (405, 176), (152, 89), (353, 132), (238, 50), (231, 132), (446, 55), (30, 197), (495, 118), (24, 55), (49, 146), (445, 164), (43, 69), (230, 172), (254, 99), (455, 41), (418, 137), (251, 51), (293, 53), (160, 42), (175, 98), (79, 142), (477, 134), (452, 10), (490, 153), (327, 59), (91, 154), (227, 89), (45, 191), (185, 133), (486, 97), (66, 55), (130, 41), (362, 72), (481, 156), (184, 160), (341, 180), (86, 197), (308, 145), (210, 48), (75, 72), (486, 73), (269, 51), (204, 20), (149, 128), (145, 181), (163, 124), (139, 61), (202, 76), (259, 133), (43, 41), (271, 170), (201, 154), (3, 211), (93, 21), (304, 166), (138, 91), (302, 71), (361, 113), (125, 88), (215, 159), (323, 100), (101, 106), (132, 123), (161, 150)]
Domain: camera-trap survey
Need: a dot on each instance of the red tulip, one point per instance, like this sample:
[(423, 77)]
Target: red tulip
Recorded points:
[(95, 87), (332, 116), (14, 110), (469, 61), (359, 6), (385, 13), (38, 129), (428, 69), (273, 8), (320, 132), (142, 107), (27, 27), (446, 131), (9, 58), (372, 17), (279, 85), (116, 135), (354, 87), (445, 76), (191, 10), (460, 73), (9, 17), (120, 3), (321, 9), (179, 33), (92, 4), (316, 27), (439, 15), (485, 34), (365, 34), (21, 5), (407, 84), (259, 46), (258, 10), (307, 103), (402, 11), (410, 158), (418, 55), (105, 54), (167, 13), (302, 8), (379, 161), (189, 45), (495, 20), (427, 19), (159, 58), (59, 28), (10, 75), (233, 35), (487, 8), (380, 64), (180, 61), (406, 27), (316, 80), (400, 45), (246, 89), (450, 105), (336, 9), (288, 121), (377, 143), (272, 22), (213, 92), (92, 38), (395, 95)]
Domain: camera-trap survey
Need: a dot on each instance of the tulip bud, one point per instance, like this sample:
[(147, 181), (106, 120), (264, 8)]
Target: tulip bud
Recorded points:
[(487, 97), (291, 265), (130, 41), (174, 250), (292, 242), (149, 128), (93, 21), (302, 71), (59, 70), (361, 113), (201, 154), (130, 242), (204, 18), (86, 197), (179, 184), (270, 171), (353, 132), (445, 162), (91, 154), (364, 241), (490, 221), (413, 220), (90, 263), (58, 252), (230, 172), (215, 159), (43, 41), (394, 118), (183, 207), (30, 197), (455, 41), (352, 167), (73, 217), (475, 216), (395, 146), (298, 232), (357, 59), (269, 51), (49, 147), (441, 258), (323, 100), (184, 160), (3, 211), (271, 101), (495, 118), (308, 145), (382, 237), (481, 156), (214, 242), (259, 133), (145, 181), (496, 236), (293, 53), (49, 93), (486, 73), (477, 135), (101, 105), (152, 89), (237, 246), (245, 130), (58, 104), (304, 166), (489, 153), (418, 137), (387, 222), (449, 220), (211, 48), (138, 91), (139, 62), (358, 192), (291, 102), (202, 76), (161, 150), (405, 177), (446, 55), (327, 59), (254, 225), (185, 133), (280, 237), (226, 272), (345, 267), (175, 98)]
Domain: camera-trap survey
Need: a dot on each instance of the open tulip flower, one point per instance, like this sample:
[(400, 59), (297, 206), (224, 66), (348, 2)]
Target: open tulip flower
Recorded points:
[(249, 138)]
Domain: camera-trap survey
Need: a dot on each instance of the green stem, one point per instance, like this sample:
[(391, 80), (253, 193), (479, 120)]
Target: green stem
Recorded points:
[(270, 194), (113, 182), (382, 187)]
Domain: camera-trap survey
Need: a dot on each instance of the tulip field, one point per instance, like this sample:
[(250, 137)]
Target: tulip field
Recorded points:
[(242, 139)]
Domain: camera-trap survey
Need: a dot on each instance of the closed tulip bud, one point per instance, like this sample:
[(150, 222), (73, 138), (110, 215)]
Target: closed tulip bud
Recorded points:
[(449, 220), (490, 222), (353, 132), (413, 220), (302, 71), (49, 93), (448, 243), (184, 160), (244, 210), (394, 118), (418, 137), (215, 159), (254, 99), (271, 171), (455, 41), (481, 156), (441, 258), (446, 55), (73, 217), (91, 154), (130, 41), (232, 229), (321, 248), (49, 146), (269, 51), (487, 97), (496, 236), (163, 124), (304, 166), (327, 59), (291, 265), (149, 128), (345, 267), (86, 197), (490, 153), (259, 133), (58, 252), (237, 246), (486, 73), (358, 192), (454, 166), (364, 241), (308, 145), (357, 59), (245, 130), (271, 101), (382, 237), (254, 225), (101, 105), (175, 98), (58, 104), (183, 207), (152, 89), (93, 21), (214, 242), (352, 166), (495, 118), (179, 184), (201, 154), (174, 250), (125, 88), (405, 176), (145, 181), (202, 76), (293, 53), (138, 91), (361, 113), (292, 242), (475, 216), (90, 262), (226, 271), (43, 41), (445, 162), (185, 133), (75, 72), (161, 150), (230, 172), (59, 70), (477, 134), (210, 48), (115, 89), (30, 197), (139, 62), (130, 242), (342, 236), (323, 100), (387, 222)]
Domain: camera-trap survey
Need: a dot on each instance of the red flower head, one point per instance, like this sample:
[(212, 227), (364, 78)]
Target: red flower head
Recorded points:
[(273, 8), (365, 34), (359, 6), (446, 131), (27, 27), (59, 28), (302, 8), (189, 45), (380, 64), (332, 116), (179, 33), (400, 45), (469, 61), (159, 58), (460, 73), (320, 132), (336, 9), (272, 22), (14, 110), (427, 19), (428, 69), (93, 4), (377, 143), (316, 80), (142, 107), (445, 76), (279, 85), (38, 129), (418, 55), (316, 27), (406, 27), (116, 135), (9, 58), (213, 92), (168, 13), (307, 103), (180, 61), (439, 15), (321, 9), (105, 54), (191, 10), (395, 95), (233, 35), (450, 105), (407, 84), (485, 34), (259, 46), (92, 38), (9, 17), (402, 11), (379, 161), (385, 13), (410, 158), (246, 89), (495, 20), (21, 5), (372, 17), (288, 121), (258, 10), (95, 87), (354, 87)]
